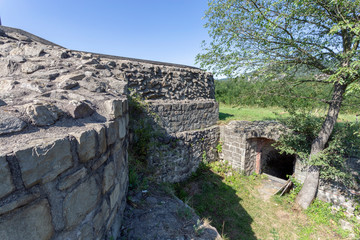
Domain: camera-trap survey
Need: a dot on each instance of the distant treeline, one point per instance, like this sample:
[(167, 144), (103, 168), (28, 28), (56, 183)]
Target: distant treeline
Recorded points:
[(306, 95)]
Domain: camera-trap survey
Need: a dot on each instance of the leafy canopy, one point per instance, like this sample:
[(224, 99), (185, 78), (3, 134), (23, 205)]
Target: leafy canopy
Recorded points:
[(284, 35)]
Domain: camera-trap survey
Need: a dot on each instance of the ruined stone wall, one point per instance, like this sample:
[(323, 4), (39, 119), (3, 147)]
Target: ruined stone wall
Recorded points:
[(242, 143), (63, 142), (64, 134), (239, 141)]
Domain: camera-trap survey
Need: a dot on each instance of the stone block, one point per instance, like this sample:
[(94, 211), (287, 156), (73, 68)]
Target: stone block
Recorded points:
[(43, 163), (112, 132), (100, 161), (10, 124), (31, 223), (19, 202), (114, 108), (6, 184), (86, 144), (101, 217), (72, 179), (115, 196), (80, 202), (122, 127), (101, 133), (109, 177)]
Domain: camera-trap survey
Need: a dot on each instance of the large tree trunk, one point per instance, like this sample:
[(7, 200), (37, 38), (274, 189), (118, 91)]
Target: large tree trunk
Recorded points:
[(309, 189)]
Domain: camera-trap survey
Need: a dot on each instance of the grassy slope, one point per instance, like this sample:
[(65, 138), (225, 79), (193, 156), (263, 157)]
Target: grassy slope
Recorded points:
[(236, 208), (228, 113)]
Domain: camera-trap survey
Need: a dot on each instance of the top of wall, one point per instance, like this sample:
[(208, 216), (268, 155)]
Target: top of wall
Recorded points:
[(45, 87), (15, 32)]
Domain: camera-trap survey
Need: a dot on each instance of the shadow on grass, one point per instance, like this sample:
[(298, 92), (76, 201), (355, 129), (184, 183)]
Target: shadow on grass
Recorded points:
[(224, 116), (218, 202)]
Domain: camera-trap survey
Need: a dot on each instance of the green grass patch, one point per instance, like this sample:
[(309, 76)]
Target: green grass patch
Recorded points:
[(236, 208), (252, 113)]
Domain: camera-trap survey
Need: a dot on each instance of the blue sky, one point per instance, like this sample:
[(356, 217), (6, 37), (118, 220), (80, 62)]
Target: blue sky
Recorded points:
[(161, 30)]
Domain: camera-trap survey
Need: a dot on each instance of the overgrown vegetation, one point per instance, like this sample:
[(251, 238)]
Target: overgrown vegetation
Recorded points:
[(343, 144), (236, 208), (256, 92)]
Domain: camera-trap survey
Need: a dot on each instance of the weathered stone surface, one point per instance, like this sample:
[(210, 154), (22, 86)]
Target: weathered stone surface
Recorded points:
[(109, 177), (72, 179), (101, 216), (101, 161), (79, 109), (80, 202), (73, 76), (122, 127), (31, 223), (68, 84), (43, 163), (10, 124), (101, 134), (6, 185), (86, 146), (19, 202), (30, 67), (112, 132), (113, 108), (34, 50), (115, 195), (42, 115)]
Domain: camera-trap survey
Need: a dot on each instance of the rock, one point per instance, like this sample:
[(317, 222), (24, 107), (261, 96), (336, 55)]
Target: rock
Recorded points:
[(79, 109), (114, 108), (109, 177), (18, 202), (34, 51), (116, 195), (68, 84), (41, 115), (30, 67), (33, 222), (10, 124), (45, 161), (93, 85), (64, 55), (46, 74), (86, 146), (17, 59), (73, 76), (72, 179), (2, 103), (7, 67), (6, 185), (80, 202), (101, 133)]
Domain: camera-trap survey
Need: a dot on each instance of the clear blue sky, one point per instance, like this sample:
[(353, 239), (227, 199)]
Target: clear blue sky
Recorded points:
[(161, 30)]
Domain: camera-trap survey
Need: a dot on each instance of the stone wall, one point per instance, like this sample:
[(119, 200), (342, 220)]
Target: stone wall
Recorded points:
[(66, 186), (64, 134), (243, 144), (242, 140)]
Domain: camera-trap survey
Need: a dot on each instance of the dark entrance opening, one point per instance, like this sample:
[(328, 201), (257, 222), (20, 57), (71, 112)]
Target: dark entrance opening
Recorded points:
[(276, 164)]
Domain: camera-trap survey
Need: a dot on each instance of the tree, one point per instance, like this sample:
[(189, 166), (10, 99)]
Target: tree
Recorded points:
[(283, 36)]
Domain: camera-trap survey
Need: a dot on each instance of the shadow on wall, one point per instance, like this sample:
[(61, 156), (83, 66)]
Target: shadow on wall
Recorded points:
[(214, 200), (172, 157)]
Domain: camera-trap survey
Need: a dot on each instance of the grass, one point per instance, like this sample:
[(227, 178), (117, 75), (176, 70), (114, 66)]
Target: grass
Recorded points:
[(252, 113), (233, 204)]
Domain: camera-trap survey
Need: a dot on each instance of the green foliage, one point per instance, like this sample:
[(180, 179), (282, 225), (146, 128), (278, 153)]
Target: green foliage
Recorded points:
[(219, 147), (343, 143)]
